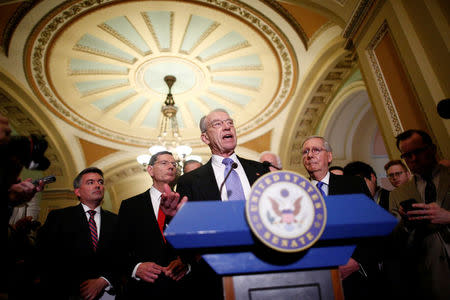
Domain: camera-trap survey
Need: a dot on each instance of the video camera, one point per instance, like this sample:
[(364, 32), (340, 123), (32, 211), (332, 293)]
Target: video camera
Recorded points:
[(29, 151)]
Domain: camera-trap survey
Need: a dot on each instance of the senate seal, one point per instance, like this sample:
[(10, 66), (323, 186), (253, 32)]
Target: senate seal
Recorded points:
[(285, 211)]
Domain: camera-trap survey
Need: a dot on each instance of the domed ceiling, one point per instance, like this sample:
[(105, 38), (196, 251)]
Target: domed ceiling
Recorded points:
[(100, 65)]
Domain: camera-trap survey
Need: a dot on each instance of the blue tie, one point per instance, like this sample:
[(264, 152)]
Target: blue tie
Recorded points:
[(319, 186), (233, 183)]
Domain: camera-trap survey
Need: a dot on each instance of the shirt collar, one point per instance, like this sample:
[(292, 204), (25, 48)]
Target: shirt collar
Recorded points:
[(86, 208), (155, 193), (325, 180), (217, 160)]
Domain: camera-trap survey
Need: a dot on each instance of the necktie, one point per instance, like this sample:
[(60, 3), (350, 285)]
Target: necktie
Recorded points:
[(319, 186), (161, 220), (93, 229), (430, 190), (233, 183)]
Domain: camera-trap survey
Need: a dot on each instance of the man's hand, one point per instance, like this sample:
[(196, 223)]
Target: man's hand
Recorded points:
[(91, 288), (170, 201), (149, 271), (347, 270), (176, 269), (23, 225), (23, 191), (431, 211)]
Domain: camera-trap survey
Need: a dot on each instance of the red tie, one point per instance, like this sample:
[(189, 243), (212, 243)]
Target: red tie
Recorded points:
[(93, 229), (161, 219)]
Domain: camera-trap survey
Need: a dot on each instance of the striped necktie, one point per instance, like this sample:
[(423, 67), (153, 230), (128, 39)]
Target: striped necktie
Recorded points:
[(93, 229), (319, 186)]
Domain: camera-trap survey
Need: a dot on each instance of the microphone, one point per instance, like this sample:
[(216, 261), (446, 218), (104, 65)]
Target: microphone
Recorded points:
[(233, 166), (443, 108), (268, 164)]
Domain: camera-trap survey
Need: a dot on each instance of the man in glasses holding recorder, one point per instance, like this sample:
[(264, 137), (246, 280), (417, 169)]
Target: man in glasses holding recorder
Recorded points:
[(423, 207)]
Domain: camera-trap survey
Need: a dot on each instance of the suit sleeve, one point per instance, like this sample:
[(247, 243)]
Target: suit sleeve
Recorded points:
[(124, 243)]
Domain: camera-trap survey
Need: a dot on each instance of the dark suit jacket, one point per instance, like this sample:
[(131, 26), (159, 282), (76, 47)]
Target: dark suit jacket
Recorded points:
[(140, 241), (201, 184), (67, 256), (356, 286), (342, 184)]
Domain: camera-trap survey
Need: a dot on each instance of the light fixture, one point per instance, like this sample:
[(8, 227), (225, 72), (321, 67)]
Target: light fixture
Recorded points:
[(169, 138)]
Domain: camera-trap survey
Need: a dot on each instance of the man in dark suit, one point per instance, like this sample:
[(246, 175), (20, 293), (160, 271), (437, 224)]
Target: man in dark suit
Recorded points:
[(367, 173), (317, 157), (207, 183), (218, 132), (76, 244), (150, 265)]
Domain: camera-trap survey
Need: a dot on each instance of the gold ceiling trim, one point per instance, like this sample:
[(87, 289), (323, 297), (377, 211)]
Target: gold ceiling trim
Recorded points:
[(388, 103), (39, 43), (319, 101), (123, 39)]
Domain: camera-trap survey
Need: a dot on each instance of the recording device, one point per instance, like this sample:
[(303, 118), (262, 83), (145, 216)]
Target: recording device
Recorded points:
[(233, 166), (268, 164), (407, 205), (29, 151), (443, 108), (46, 180)]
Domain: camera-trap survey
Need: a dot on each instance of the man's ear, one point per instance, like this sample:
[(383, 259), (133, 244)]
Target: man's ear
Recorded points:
[(150, 170), (205, 138), (77, 192), (330, 157)]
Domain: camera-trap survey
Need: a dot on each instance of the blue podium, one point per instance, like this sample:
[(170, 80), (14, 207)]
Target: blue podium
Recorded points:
[(250, 270)]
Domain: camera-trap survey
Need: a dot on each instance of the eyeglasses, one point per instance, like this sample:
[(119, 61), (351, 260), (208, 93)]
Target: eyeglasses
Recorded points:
[(415, 152), (219, 123), (314, 151), (395, 174), (165, 163)]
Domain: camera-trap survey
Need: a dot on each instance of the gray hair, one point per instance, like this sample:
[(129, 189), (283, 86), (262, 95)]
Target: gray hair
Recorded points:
[(326, 145), (155, 156), (202, 124), (279, 165), (191, 161)]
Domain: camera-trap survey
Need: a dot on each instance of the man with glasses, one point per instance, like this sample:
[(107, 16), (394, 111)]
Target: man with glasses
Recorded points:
[(149, 262), (397, 172), (208, 181), (317, 156), (225, 177), (424, 227)]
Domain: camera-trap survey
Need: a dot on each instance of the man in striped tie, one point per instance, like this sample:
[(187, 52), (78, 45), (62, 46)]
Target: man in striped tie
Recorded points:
[(76, 244)]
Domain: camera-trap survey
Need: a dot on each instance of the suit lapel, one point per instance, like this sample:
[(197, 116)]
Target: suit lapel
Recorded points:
[(85, 233), (148, 208), (332, 184), (209, 182)]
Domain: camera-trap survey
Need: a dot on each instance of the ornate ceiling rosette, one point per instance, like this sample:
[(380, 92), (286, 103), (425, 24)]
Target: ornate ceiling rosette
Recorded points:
[(103, 70)]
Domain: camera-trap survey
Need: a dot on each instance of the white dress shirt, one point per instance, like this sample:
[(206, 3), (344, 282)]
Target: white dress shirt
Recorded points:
[(155, 195), (326, 181)]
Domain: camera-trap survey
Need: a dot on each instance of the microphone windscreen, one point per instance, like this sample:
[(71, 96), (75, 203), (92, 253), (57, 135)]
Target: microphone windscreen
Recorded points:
[(443, 108), (234, 165)]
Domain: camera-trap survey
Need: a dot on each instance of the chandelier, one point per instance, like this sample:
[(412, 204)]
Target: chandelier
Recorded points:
[(169, 138)]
